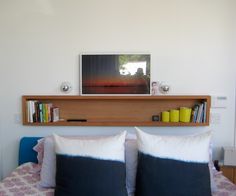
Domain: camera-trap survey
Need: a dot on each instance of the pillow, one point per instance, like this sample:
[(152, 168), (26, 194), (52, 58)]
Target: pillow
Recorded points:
[(90, 167), (131, 154), (48, 170), (173, 165), (212, 169), (39, 148)]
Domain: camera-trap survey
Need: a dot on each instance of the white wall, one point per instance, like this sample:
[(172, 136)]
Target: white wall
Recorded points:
[(190, 42)]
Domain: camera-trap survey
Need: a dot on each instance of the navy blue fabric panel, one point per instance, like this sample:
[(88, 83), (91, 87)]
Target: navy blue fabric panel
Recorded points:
[(166, 177), (86, 176), (26, 152)]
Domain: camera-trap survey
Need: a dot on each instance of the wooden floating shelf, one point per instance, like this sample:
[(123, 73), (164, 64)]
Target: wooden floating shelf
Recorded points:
[(115, 110), (161, 124)]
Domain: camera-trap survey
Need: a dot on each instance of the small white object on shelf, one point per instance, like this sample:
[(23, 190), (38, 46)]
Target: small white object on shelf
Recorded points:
[(155, 85)]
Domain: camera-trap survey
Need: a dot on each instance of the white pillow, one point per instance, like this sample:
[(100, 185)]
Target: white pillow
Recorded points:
[(131, 155), (173, 165), (48, 170), (90, 166)]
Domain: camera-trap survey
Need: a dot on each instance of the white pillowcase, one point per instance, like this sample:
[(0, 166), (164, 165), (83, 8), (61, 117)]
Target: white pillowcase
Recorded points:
[(175, 147), (48, 170), (131, 161), (109, 148)]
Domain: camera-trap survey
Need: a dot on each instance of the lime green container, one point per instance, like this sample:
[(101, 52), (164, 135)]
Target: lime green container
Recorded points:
[(185, 114), (174, 115), (165, 116)]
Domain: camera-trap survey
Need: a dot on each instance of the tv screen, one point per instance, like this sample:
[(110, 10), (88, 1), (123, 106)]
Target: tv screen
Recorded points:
[(115, 74)]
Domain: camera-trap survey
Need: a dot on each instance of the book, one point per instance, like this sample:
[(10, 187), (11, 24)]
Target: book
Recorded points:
[(199, 114), (28, 111), (48, 107), (195, 112), (34, 108), (55, 114), (37, 111), (40, 112), (205, 112), (45, 112), (31, 111)]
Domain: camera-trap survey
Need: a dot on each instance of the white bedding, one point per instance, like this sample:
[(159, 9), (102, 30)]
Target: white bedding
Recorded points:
[(24, 181)]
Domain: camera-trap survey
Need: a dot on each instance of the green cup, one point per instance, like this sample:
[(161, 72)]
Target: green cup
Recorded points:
[(185, 114), (165, 116), (174, 115)]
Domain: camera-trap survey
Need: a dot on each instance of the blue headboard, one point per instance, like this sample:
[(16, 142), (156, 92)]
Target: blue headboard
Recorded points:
[(26, 152)]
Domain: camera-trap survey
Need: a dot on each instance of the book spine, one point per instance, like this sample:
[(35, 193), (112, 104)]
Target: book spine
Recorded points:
[(199, 113), (36, 103), (40, 112), (205, 111), (55, 114), (195, 112), (29, 111), (34, 111), (49, 112), (44, 113)]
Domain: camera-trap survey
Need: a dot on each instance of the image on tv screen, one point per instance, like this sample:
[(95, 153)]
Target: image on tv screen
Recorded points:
[(115, 74)]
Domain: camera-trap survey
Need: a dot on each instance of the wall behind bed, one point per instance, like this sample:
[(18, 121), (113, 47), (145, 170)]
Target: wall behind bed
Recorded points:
[(191, 43)]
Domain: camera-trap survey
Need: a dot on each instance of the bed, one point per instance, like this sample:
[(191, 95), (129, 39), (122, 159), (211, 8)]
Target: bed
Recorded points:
[(24, 180)]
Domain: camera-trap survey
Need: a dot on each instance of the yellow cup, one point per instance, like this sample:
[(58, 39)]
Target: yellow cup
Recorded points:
[(185, 114), (174, 115), (165, 116)]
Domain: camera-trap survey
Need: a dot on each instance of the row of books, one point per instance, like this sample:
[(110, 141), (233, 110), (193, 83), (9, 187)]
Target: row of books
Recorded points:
[(199, 112), (41, 112)]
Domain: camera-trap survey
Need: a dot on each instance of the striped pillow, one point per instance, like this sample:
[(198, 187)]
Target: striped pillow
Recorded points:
[(173, 165), (90, 167)]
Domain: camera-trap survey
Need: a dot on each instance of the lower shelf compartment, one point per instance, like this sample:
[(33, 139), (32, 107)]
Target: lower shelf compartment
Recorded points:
[(111, 110)]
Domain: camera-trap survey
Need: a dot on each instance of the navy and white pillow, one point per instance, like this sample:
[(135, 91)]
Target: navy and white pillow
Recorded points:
[(173, 165), (90, 167)]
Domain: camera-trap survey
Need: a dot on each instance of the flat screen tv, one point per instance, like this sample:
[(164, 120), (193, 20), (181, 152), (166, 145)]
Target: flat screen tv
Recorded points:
[(115, 74)]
